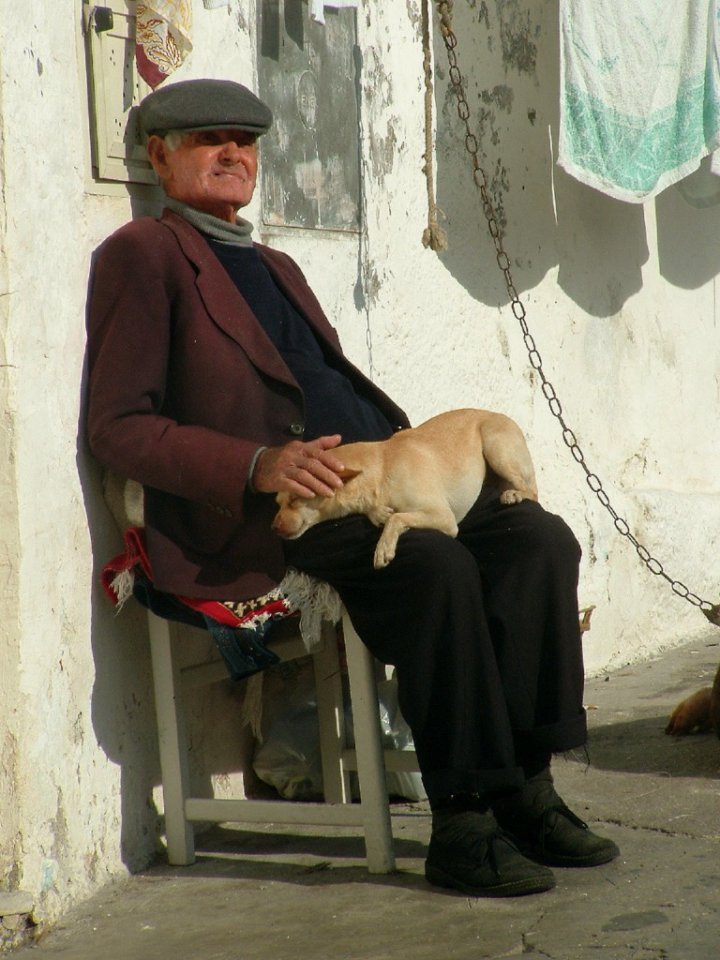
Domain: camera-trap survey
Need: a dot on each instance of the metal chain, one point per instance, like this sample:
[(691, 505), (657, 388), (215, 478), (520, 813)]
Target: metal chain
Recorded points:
[(471, 145)]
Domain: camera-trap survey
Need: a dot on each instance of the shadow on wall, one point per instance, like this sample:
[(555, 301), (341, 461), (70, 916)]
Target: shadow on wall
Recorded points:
[(508, 55), (123, 710), (122, 701), (688, 239)]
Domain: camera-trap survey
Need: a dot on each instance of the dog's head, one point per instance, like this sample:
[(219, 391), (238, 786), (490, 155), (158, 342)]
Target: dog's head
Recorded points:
[(297, 514)]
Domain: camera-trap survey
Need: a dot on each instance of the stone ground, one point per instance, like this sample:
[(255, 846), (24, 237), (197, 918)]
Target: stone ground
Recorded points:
[(291, 894)]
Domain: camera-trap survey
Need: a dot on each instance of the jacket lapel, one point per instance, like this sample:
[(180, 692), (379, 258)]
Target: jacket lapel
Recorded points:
[(224, 303)]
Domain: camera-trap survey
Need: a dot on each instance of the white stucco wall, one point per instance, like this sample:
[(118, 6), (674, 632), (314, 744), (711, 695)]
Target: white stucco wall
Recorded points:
[(79, 761), (621, 301)]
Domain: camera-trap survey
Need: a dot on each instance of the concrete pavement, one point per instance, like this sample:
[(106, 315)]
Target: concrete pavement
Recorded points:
[(291, 894)]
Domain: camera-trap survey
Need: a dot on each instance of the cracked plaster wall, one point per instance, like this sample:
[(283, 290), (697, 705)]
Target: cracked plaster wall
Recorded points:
[(9, 634), (78, 767), (620, 299)]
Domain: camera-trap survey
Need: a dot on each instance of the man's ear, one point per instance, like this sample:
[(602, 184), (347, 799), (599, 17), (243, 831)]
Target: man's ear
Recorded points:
[(156, 149), (347, 473)]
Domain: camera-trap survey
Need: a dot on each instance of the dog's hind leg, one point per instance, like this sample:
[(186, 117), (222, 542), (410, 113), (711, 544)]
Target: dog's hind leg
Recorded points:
[(507, 455)]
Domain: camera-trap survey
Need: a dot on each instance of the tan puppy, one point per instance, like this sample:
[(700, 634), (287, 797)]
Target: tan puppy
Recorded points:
[(428, 477)]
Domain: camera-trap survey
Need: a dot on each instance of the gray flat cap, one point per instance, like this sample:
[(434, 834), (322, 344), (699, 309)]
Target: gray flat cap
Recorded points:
[(203, 105)]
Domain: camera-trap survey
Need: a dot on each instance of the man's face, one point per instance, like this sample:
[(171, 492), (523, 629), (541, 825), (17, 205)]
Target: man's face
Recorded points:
[(211, 170)]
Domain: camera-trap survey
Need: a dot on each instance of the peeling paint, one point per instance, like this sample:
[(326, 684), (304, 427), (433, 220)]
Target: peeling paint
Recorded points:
[(377, 84), (59, 829), (382, 153), (48, 876), (518, 36), (413, 12), (373, 284), (241, 21), (501, 96), (504, 343), (589, 552)]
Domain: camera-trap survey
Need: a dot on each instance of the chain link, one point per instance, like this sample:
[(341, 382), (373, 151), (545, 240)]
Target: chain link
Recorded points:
[(518, 309)]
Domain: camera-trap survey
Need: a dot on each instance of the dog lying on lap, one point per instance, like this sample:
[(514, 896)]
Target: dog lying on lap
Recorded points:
[(428, 477)]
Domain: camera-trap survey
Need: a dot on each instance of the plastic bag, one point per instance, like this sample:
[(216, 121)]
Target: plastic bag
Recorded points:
[(396, 734), (288, 758)]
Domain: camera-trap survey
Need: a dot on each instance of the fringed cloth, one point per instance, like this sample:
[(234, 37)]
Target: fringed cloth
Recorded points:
[(241, 630)]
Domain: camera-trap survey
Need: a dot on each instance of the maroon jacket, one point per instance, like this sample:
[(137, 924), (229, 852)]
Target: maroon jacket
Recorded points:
[(184, 386)]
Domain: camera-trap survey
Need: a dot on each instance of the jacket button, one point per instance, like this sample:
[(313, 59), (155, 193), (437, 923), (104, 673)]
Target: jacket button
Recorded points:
[(296, 429)]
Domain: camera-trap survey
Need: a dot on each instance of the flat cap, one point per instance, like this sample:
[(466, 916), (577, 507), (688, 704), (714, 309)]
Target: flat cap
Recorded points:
[(203, 105)]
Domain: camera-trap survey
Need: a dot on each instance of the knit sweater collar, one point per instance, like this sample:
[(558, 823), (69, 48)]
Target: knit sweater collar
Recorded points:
[(237, 233)]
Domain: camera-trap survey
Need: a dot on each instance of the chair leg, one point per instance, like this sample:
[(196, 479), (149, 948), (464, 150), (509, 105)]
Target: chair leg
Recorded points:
[(172, 743), (370, 759), (331, 717)]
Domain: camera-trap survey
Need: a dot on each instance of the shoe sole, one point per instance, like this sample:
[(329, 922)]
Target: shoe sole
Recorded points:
[(511, 888)]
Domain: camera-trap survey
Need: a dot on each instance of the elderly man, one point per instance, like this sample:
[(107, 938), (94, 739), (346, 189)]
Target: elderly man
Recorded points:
[(216, 381)]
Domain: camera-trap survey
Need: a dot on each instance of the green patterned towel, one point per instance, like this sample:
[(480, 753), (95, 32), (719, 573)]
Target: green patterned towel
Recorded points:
[(640, 92)]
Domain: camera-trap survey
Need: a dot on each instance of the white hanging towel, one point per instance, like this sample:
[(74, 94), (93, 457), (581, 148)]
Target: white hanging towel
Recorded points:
[(640, 92), (317, 8)]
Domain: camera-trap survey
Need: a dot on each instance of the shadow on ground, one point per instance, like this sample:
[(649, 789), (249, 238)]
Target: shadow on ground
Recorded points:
[(642, 746), (300, 858)]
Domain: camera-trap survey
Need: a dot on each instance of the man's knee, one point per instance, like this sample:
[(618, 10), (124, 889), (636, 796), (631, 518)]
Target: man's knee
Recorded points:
[(549, 534), (436, 557)]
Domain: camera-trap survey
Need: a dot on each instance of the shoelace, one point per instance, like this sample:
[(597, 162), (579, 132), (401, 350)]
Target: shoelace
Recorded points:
[(546, 827), (487, 845)]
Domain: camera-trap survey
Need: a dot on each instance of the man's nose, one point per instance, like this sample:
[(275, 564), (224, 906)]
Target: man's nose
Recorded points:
[(232, 152)]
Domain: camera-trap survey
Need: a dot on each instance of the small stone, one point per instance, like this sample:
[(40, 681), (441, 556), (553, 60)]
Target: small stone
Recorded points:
[(17, 902)]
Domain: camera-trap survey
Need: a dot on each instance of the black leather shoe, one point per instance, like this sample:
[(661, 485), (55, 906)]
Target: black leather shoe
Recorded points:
[(469, 852), (547, 831)]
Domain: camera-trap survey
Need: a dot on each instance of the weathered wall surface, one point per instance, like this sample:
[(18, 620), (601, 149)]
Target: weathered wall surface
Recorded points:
[(79, 762), (9, 579), (621, 301)]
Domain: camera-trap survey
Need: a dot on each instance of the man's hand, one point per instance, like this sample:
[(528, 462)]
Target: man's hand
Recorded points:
[(302, 469)]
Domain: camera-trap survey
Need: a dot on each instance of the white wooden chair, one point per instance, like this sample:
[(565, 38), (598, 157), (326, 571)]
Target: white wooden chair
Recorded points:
[(372, 813), (124, 500)]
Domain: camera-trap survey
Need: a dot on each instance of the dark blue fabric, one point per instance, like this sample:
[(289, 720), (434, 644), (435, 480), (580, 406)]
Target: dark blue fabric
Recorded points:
[(331, 403), (243, 649)]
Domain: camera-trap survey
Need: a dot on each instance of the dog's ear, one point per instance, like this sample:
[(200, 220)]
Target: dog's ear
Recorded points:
[(347, 473)]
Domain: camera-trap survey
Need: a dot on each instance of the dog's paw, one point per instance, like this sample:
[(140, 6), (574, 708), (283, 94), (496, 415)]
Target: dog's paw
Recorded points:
[(384, 553), (380, 515), (511, 496), (691, 713), (382, 558)]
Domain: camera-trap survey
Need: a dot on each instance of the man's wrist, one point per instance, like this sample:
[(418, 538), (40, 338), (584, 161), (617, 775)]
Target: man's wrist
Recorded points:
[(251, 470)]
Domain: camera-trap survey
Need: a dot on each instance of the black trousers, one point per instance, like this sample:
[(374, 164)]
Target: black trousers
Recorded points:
[(483, 631)]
